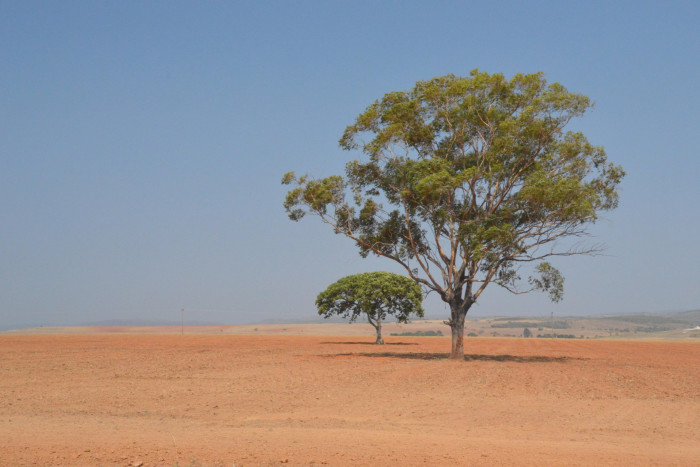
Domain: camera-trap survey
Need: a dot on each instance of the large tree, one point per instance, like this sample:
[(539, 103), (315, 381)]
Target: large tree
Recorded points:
[(465, 180), (375, 294)]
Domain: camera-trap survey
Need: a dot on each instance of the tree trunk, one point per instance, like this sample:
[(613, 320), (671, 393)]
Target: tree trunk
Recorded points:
[(379, 331), (377, 323), (458, 314)]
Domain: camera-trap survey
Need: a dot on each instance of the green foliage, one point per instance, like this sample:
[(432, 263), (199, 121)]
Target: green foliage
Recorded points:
[(375, 294), (549, 279), (464, 180), (527, 333)]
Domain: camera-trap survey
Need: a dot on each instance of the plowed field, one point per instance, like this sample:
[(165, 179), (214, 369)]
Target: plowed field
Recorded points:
[(118, 400)]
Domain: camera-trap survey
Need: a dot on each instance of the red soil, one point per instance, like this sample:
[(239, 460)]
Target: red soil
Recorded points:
[(264, 400)]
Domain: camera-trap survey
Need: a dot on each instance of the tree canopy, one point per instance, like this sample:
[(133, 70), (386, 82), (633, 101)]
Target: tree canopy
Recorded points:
[(376, 294), (464, 180)]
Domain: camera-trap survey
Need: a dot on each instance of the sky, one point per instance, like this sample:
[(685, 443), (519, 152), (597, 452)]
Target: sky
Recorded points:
[(142, 146)]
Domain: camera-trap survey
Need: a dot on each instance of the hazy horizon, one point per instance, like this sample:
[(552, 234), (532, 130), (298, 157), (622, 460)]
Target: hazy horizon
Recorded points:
[(134, 321)]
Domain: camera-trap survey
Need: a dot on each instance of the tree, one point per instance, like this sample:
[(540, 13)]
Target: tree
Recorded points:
[(376, 294), (527, 332), (465, 181)]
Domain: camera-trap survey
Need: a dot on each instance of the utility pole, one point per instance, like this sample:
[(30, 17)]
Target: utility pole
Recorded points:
[(551, 324)]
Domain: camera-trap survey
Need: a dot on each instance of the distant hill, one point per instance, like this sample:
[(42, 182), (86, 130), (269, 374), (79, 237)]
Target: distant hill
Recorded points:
[(692, 317), (672, 318), (671, 325)]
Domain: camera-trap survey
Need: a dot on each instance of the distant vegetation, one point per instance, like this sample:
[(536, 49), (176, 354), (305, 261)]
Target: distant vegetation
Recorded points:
[(532, 324), (653, 328), (558, 336), (418, 333), (650, 320)]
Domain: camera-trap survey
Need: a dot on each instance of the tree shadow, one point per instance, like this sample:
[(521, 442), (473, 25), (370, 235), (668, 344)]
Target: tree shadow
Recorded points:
[(470, 357), (370, 343)]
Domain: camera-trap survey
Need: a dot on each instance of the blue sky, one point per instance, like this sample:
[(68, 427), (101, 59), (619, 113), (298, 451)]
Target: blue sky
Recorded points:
[(142, 146)]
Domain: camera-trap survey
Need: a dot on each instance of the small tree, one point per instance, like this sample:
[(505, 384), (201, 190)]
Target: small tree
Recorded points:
[(376, 294), (466, 179), (527, 332)]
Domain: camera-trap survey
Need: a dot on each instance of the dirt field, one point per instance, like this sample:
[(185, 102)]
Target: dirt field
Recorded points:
[(125, 399)]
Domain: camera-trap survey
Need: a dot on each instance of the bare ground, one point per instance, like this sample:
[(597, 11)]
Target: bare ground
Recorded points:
[(126, 399)]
